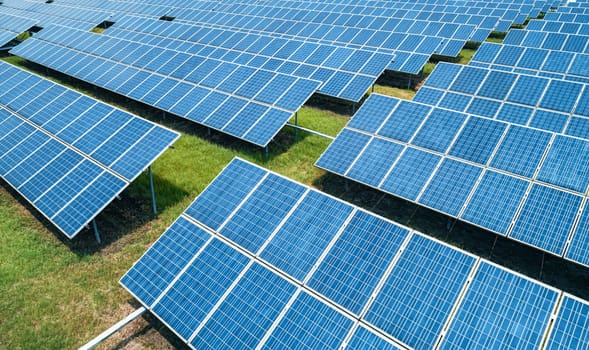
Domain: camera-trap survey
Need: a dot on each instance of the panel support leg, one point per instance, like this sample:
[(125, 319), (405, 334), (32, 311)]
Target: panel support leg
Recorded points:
[(409, 83), (266, 151), (152, 188), (297, 124), (96, 233)]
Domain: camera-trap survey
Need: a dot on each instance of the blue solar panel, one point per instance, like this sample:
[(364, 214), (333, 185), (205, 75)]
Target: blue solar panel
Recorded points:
[(418, 296), (71, 180), (343, 151), (497, 85), (286, 249), (375, 161), (561, 96), (548, 120), (253, 223), (366, 340), (443, 75), (567, 164), (521, 151), (358, 260), (439, 130), (501, 310), (192, 296), (156, 269), (411, 173), (404, 121), (222, 197), (450, 186), (478, 139), (468, 80), (528, 90), (516, 114), (495, 201), (373, 113), (307, 324), (546, 218), (247, 312), (570, 329)]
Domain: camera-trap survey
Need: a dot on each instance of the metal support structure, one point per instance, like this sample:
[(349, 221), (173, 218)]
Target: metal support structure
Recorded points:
[(373, 87), (409, 83), (96, 233), (354, 108), (112, 330), (266, 152), (209, 132), (297, 124), (296, 127), (152, 187)]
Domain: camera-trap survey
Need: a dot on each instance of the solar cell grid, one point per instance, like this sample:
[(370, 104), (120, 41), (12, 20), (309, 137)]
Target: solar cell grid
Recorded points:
[(512, 312), (74, 162)]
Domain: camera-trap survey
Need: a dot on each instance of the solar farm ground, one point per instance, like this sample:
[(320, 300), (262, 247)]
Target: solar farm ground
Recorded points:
[(58, 293)]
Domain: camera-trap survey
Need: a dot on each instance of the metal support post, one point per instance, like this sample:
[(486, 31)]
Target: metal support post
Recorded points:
[(373, 87), (266, 151), (152, 187), (297, 124), (96, 233), (112, 330)]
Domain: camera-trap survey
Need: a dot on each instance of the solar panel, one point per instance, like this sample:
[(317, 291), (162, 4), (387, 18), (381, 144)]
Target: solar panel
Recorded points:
[(513, 312), (348, 78), (517, 181), (411, 304), (374, 285), (216, 108), (570, 327), (540, 102), (70, 170)]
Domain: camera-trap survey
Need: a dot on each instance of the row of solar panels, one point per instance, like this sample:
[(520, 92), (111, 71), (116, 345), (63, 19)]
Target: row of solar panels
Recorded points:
[(44, 19), (302, 58), (498, 176), (540, 102), (547, 40), (533, 61), (544, 25), (245, 102), (67, 154), (344, 35), (259, 261), (345, 73)]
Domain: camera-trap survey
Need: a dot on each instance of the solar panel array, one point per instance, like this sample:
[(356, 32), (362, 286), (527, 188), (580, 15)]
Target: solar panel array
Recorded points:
[(67, 154), (45, 14), (414, 31), (259, 261), (556, 64), (540, 102), (517, 181), (345, 73), (11, 27), (252, 104)]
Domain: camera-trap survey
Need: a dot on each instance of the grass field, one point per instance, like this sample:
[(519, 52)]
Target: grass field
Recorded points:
[(59, 294)]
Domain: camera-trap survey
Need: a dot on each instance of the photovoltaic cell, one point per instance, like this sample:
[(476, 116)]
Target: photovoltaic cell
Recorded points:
[(478, 139), (413, 305), (570, 329), (247, 312), (253, 223), (343, 151), (222, 197), (450, 186), (286, 250), (411, 173), (495, 201), (546, 218), (501, 310), (309, 323), (521, 151), (365, 339), (375, 161), (578, 249), (355, 264), (192, 296), (156, 269), (567, 164)]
